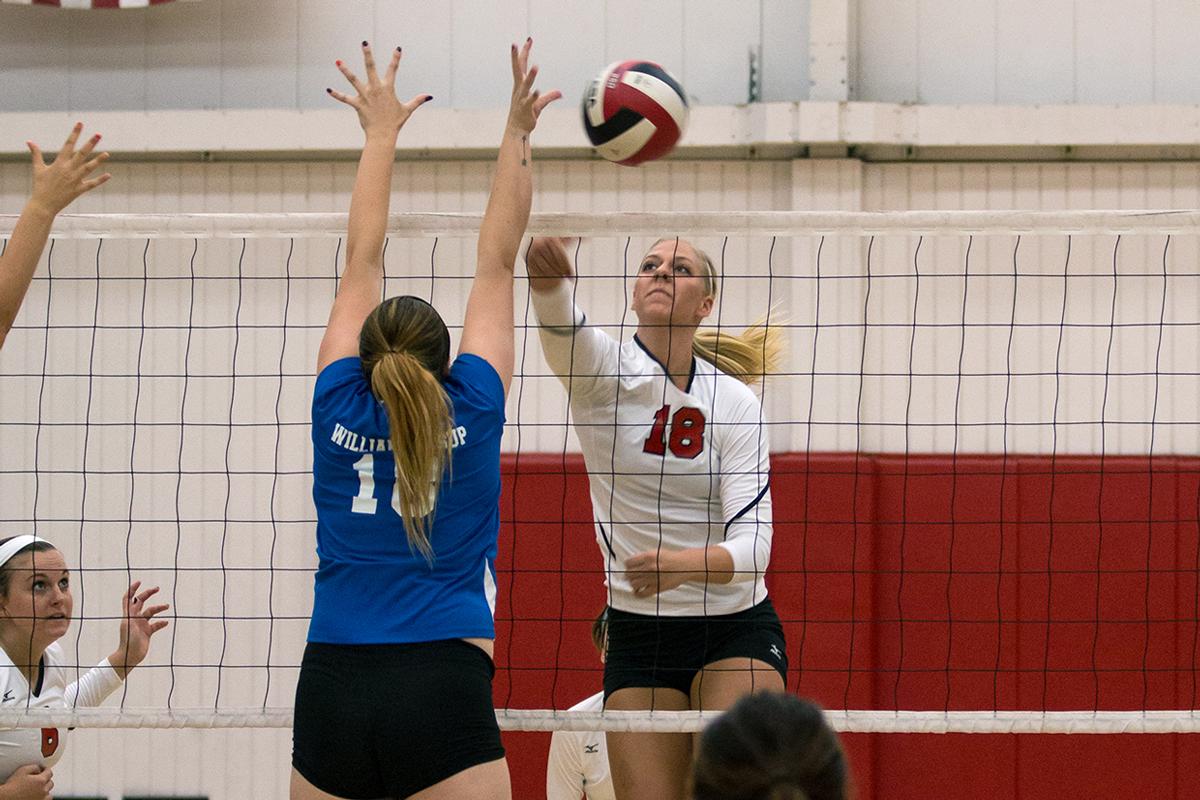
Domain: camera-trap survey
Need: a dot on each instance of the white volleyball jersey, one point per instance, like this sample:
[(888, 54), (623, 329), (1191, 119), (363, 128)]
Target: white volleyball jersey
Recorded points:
[(22, 746), (578, 762), (669, 468)]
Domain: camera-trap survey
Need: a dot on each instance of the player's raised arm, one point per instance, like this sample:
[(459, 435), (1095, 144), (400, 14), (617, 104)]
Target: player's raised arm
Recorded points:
[(55, 185), (488, 327), (381, 116)]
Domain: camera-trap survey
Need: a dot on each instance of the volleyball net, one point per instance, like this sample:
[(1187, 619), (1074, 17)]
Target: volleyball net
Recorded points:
[(984, 457)]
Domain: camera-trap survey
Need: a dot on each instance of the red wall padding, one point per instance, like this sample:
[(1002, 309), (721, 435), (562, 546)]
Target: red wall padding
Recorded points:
[(923, 582)]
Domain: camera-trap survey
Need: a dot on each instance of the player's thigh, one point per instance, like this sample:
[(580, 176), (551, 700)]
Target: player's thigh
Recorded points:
[(488, 781), (646, 765), (301, 789), (721, 683)]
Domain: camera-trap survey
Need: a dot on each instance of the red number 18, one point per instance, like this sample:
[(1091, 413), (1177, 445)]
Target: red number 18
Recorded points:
[(687, 433)]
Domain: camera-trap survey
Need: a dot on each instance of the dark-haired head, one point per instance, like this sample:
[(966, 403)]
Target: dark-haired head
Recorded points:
[(405, 350), (770, 746), (38, 546)]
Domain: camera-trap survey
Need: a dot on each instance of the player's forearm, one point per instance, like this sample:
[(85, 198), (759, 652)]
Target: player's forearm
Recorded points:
[(20, 261), (555, 307), (701, 564), (507, 213), (120, 663), (95, 685), (369, 206)]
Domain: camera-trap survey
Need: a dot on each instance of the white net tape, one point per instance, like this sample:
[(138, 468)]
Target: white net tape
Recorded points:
[(307, 225), (1063, 722)]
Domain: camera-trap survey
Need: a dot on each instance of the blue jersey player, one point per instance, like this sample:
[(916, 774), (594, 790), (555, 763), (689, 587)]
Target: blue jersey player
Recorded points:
[(394, 696)]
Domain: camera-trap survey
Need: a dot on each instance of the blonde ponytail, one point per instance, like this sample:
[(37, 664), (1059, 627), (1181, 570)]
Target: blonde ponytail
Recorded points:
[(420, 421), (749, 356)]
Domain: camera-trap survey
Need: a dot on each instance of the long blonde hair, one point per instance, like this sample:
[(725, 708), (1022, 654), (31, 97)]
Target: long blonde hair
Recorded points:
[(749, 356), (404, 346)]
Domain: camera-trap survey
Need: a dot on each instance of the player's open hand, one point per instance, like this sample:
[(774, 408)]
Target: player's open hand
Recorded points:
[(138, 624), (547, 263), (527, 103), (379, 111), (56, 185)]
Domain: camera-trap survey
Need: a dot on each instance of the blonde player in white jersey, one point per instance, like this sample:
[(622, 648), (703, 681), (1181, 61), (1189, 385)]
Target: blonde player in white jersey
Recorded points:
[(578, 762), (677, 458), (35, 611)]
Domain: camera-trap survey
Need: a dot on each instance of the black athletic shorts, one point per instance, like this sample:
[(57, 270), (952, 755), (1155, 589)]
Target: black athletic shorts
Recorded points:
[(668, 652), (376, 721)]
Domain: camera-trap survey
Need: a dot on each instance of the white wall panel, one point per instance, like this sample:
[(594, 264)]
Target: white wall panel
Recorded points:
[(426, 32), (1114, 51), (957, 50), (1034, 53), (325, 33), (1016, 51), (228, 54), (479, 59), (568, 62), (633, 29), (784, 31), (180, 68), (888, 51), (34, 60), (259, 52), (1175, 53), (715, 63), (116, 44), (183, 496)]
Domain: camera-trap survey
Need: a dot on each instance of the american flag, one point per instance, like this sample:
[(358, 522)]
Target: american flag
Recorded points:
[(89, 3)]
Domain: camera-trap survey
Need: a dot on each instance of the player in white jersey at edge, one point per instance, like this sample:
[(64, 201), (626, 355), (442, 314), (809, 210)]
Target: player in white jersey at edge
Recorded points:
[(35, 612), (677, 460), (577, 765)]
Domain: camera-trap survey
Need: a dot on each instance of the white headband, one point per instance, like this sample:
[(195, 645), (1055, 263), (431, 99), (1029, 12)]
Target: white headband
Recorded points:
[(10, 548)]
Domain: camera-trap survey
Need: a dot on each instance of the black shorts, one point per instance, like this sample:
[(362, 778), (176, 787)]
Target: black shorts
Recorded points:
[(389, 720), (668, 652)]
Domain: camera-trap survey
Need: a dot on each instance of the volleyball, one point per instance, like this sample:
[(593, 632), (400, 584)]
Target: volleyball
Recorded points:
[(634, 111)]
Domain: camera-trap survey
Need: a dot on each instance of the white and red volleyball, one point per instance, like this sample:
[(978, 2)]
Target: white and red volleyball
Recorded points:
[(634, 111)]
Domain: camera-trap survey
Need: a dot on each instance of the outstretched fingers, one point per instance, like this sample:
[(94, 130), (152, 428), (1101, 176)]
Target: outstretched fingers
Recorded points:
[(92, 183), (343, 98), (90, 166), (389, 77), (144, 596), (520, 61), (369, 63), (525, 53), (529, 79), (417, 101), (544, 100), (85, 152), (69, 145), (350, 76), (36, 152)]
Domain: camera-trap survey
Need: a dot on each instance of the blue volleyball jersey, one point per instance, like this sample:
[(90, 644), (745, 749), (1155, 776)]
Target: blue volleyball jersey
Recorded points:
[(370, 586)]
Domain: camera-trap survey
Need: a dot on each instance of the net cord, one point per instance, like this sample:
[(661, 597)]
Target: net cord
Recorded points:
[(848, 721), (863, 223)]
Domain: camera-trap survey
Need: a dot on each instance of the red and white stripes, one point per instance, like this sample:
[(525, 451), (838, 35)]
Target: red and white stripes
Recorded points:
[(89, 4)]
